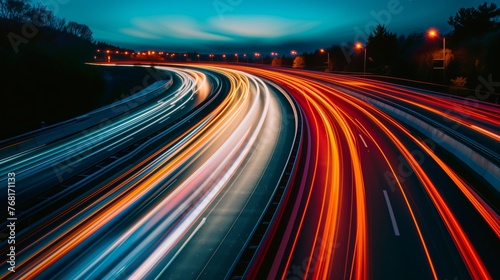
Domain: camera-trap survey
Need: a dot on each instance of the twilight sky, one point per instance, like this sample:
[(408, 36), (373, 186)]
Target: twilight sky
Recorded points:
[(252, 25)]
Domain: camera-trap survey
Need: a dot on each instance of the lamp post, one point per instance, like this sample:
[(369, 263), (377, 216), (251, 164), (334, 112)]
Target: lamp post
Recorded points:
[(359, 46), (257, 55), (328, 58), (433, 33)]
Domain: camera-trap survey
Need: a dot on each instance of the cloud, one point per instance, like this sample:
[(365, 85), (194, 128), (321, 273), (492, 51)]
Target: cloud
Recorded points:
[(138, 33), (172, 26), (262, 26), (232, 28)]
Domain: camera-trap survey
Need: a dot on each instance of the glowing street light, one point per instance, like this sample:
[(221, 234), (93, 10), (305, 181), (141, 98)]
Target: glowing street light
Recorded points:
[(328, 57), (433, 33), (293, 52), (360, 46)]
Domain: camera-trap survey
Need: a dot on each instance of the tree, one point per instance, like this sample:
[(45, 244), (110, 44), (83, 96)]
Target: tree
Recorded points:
[(475, 23), (14, 9), (42, 16), (382, 46), (277, 62), (299, 62), (79, 30)]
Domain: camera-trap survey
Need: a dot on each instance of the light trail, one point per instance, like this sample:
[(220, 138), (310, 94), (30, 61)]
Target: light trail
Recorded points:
[(340, 216), (333, 220), (171, 188)]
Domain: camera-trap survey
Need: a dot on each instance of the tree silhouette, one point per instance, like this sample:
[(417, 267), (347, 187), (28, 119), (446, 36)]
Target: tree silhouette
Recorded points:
[(382, 46), (475, 23), (79, 30), (14, 9)]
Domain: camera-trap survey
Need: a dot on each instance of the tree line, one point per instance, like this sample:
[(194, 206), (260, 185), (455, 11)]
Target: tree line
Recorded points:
[(471, 51), (41, 15)]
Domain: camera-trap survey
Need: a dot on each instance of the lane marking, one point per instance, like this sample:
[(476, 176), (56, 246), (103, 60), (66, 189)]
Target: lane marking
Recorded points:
[(362, 139), (182, 247), (391, 213)]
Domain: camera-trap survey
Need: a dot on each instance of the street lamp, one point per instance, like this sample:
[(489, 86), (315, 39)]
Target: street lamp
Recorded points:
[(359, 46), (328, 57), (293, 52), (433, 33), (258, 56)]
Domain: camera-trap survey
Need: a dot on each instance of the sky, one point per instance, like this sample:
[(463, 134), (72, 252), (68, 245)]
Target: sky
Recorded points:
[(252, 25)]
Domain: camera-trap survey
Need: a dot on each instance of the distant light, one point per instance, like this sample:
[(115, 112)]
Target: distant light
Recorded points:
[(359, 46), (322, 50)]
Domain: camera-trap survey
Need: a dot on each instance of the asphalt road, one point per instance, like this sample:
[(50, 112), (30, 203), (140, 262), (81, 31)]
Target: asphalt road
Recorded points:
[(376, 198), (186, 179), (221, 167)]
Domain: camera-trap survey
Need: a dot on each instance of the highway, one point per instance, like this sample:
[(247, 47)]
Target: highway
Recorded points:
[(213, 178), (377, 200), (266, 173)]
